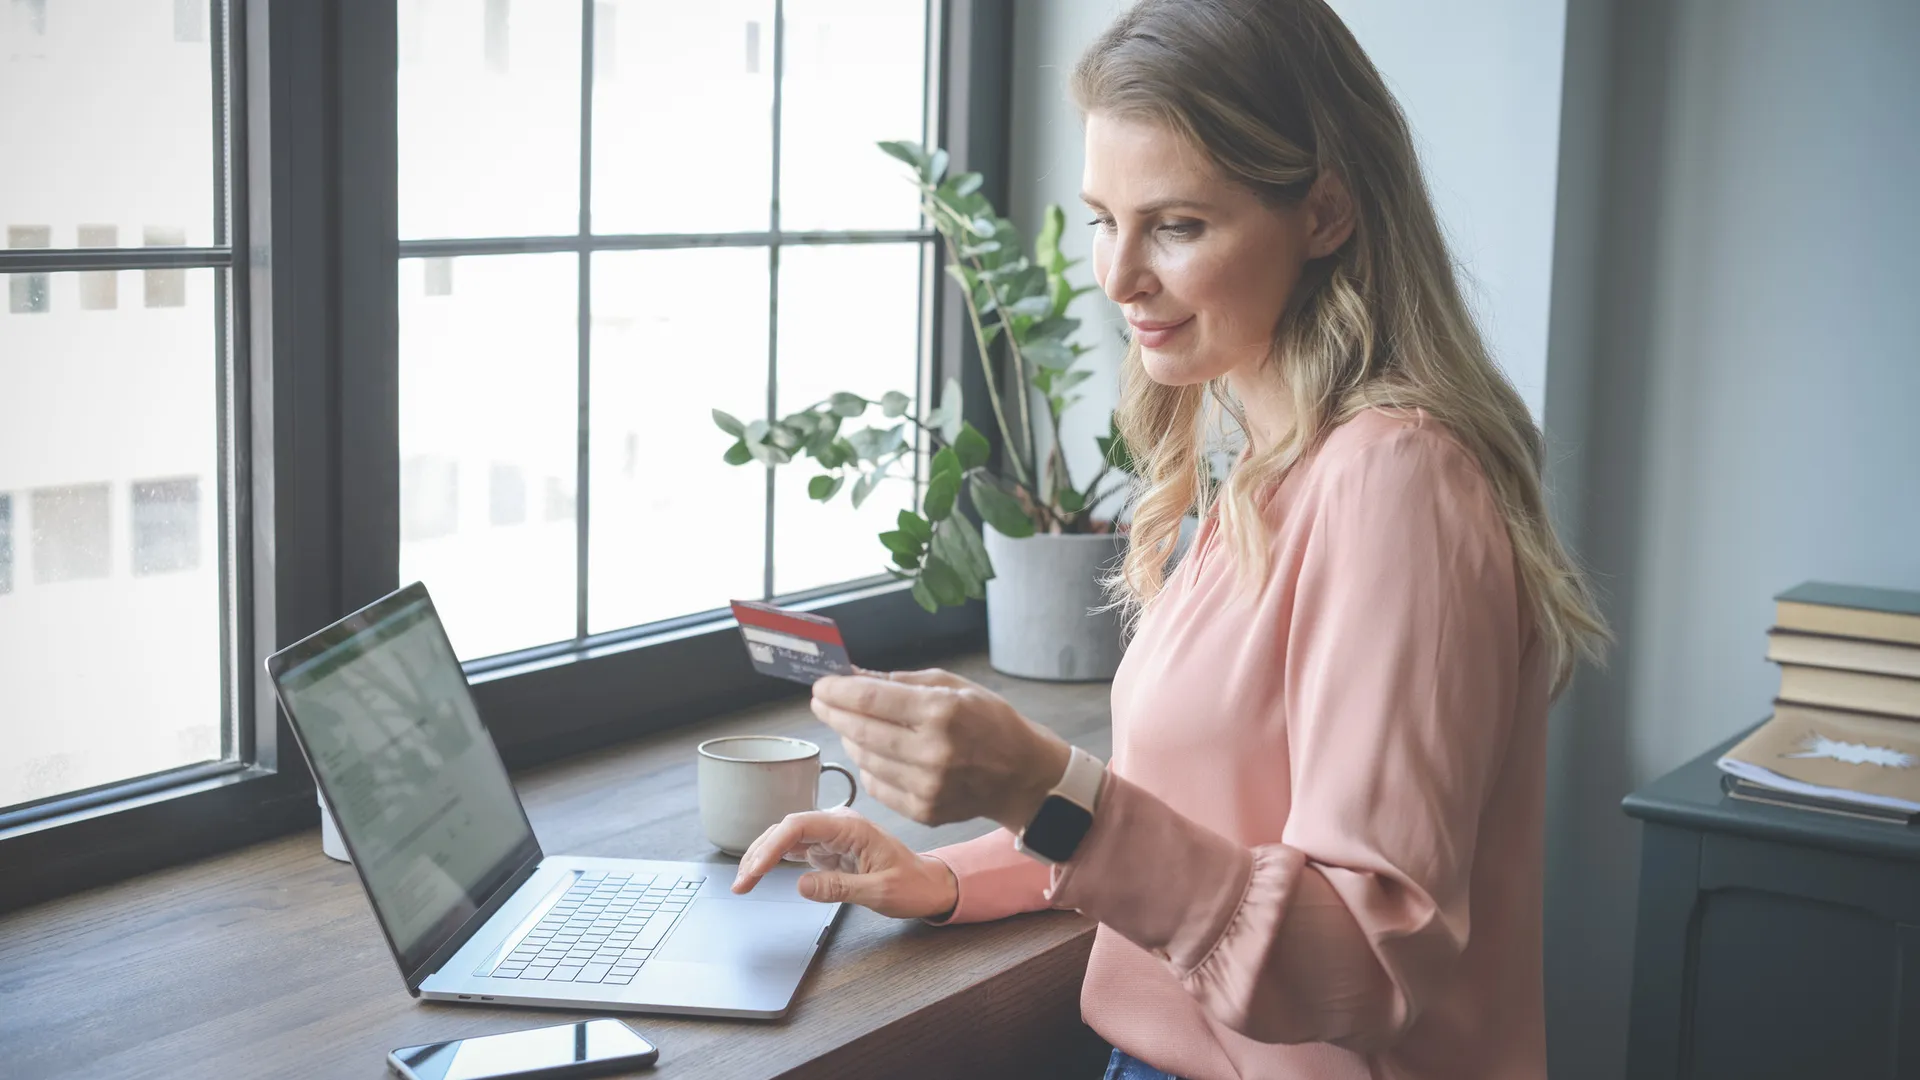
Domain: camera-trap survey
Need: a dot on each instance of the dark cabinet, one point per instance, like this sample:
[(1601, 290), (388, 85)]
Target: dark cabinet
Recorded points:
[(1771, 942)]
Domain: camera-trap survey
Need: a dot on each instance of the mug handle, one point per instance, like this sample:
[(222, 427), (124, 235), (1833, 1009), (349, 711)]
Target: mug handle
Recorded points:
[(853, 788)]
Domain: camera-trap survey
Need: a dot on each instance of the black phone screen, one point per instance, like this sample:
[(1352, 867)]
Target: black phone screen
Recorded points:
[(588, 1048)]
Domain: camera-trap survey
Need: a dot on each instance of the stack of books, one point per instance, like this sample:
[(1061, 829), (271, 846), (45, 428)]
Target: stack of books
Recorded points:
[(1844, 737)]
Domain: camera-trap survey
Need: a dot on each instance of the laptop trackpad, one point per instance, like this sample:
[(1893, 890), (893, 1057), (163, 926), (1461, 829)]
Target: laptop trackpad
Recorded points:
[(744, 933)]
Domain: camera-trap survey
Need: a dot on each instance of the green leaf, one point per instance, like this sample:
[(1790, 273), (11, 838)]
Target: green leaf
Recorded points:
[(924, 596), (898, 541), (906, 560), (863, 487), (728, 424), (757, 431), (943, 581), (786, 437), (768, 454), (842, 453), (946, 462), (1064, 381), (915, 526), (971, 448), (966, 183), (942, 490), (936, 167), (738, 454), (1046, 352), (951, 545), (976, 548), (1054, 327), (1001, 510), (872, 444), (1046, 245), (1113, 447), (895, 403), (848, 405), (950, 410), (1033, 307), (983, 226), (824, 487), (1070, 500), (906, 151)]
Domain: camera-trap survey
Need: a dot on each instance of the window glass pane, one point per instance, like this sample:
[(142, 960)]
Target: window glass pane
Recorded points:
[(6, 544), (108, 533), (683, 117), (821, 353), (110, 83), (489, 118), (27, 293), (489, 389), (855, 74), (99, 289), (166, 526), (70, 527), (674, 530)]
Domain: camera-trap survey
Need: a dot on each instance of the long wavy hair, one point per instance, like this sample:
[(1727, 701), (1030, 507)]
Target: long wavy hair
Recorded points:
[(1276, 93)]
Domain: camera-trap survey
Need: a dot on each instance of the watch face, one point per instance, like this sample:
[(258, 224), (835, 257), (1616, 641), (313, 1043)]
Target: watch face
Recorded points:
[(1057, 829)]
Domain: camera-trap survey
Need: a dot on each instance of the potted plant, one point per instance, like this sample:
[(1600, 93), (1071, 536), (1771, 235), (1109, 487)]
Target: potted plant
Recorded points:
[(1040, 562)]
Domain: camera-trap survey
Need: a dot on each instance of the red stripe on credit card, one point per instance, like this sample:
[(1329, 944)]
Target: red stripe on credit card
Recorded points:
[(799, 624)]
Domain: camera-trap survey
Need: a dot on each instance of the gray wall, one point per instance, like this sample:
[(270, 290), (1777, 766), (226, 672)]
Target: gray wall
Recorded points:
[(1731, 383), (1749, 357)]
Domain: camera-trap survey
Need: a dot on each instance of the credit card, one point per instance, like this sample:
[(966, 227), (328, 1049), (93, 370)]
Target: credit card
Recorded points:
[(792, 645)]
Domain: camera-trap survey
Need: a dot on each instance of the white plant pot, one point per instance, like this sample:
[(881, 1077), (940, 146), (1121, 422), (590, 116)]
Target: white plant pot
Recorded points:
[(330, 842), (1043, 617)]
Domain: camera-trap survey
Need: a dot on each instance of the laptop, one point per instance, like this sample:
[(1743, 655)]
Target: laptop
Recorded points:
[(471, 906)]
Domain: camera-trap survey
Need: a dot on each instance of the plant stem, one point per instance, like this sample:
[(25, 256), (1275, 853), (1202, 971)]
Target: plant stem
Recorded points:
[(1019, 365)]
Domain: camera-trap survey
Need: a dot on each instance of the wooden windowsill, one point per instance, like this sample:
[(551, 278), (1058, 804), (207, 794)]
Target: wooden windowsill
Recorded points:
[(267, 961)]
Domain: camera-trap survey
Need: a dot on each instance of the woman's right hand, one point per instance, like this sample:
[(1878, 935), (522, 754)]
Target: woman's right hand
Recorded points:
[(854, 861)]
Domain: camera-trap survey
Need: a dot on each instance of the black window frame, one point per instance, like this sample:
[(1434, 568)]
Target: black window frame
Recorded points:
[(310, 511)]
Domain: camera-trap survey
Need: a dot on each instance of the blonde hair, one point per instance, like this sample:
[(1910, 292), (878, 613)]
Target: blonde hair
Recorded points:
[(1276, 93)]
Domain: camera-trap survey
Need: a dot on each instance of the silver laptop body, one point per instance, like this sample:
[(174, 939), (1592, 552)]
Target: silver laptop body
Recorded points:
[(472, 908)]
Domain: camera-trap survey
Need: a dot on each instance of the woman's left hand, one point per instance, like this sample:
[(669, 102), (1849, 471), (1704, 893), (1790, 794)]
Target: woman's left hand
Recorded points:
[(938, 748)]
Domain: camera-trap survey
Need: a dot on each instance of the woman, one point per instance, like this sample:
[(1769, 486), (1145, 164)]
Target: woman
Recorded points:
[(1317, 851)]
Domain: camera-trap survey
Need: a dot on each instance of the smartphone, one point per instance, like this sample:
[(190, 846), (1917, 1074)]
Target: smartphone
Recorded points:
[(589, 1048)]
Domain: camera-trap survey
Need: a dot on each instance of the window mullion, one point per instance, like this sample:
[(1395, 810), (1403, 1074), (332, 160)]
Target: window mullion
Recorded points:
[(583, 468), (773, 280)]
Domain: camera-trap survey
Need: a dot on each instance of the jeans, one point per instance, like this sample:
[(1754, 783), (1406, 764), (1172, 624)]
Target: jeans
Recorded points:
[(1121, 1066)]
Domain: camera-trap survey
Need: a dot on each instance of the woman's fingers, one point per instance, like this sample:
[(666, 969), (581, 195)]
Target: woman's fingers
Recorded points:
[(898, 799), (928, 677), (874, 735), (796, 831), (892, 700)]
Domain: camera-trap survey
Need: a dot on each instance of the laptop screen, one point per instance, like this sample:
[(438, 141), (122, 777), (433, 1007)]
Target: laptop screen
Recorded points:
[(415, 784)]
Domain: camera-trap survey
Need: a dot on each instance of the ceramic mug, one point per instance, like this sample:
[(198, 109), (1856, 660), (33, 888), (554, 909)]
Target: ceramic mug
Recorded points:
[(748, 783)]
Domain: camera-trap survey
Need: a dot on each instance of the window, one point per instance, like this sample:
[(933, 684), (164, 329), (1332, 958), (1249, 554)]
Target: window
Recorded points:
[(27, 294), (30, 16), (190, 21), (607, 303), (166, 526), (166, 288), (288, 417), (70, 534), (99, 289), (115, 626), (6, 544)]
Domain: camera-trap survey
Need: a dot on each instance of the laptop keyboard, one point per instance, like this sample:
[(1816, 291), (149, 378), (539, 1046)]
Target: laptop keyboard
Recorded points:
[(601, 931)]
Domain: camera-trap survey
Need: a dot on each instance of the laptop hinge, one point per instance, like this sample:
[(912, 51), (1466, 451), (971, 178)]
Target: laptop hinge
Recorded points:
[(459, 938)]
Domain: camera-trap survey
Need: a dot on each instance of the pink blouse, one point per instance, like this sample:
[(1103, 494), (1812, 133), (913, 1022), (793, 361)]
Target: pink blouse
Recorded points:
[(1318, 851)]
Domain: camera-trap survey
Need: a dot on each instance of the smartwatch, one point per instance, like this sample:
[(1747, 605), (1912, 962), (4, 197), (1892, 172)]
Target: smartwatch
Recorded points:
[(1064, 817)]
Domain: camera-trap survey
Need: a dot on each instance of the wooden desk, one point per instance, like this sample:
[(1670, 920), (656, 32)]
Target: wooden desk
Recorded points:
[(267, 962)]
